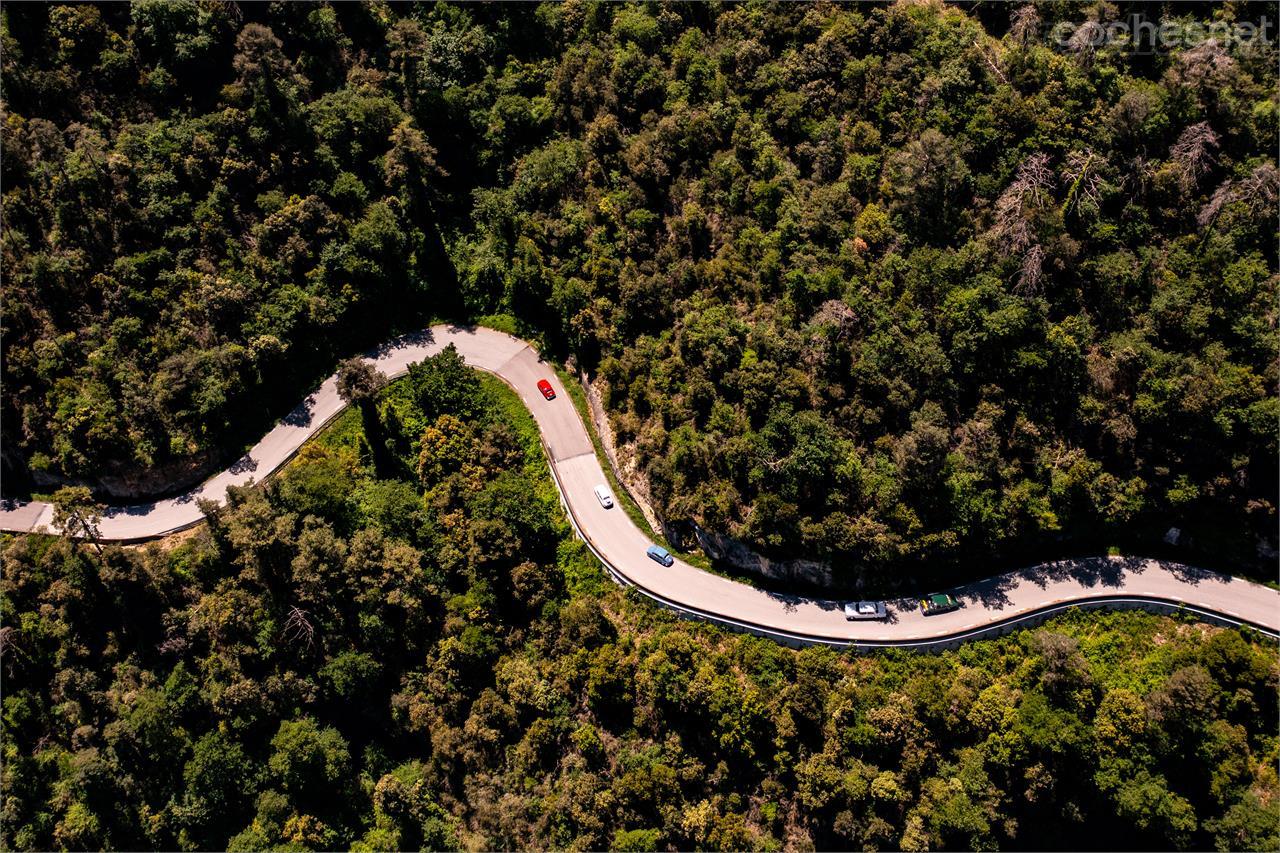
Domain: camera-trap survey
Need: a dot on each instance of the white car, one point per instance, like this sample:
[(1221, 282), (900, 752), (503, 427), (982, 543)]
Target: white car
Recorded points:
[(604, 496), (855, 610)]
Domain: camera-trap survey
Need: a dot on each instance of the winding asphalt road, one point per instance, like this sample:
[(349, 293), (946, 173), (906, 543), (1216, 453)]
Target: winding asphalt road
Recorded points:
[(991, 606)]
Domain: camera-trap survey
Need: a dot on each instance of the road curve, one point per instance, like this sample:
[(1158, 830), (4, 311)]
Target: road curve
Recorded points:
[(992, 605)]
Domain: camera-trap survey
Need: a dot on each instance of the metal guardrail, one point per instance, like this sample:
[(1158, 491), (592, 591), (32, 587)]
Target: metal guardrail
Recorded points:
[(946, 641)]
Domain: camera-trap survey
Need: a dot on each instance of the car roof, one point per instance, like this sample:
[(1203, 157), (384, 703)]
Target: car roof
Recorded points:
[(657, 549)]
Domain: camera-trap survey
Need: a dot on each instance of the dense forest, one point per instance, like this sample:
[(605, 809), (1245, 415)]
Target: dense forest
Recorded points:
[(870, 284), (396, 644)]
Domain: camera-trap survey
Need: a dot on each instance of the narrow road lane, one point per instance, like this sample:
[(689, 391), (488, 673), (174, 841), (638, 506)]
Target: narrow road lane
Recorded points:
[(1003, 601)]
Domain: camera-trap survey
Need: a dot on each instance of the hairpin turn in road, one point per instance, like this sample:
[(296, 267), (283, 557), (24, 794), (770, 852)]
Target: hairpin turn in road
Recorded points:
[(996, 604)]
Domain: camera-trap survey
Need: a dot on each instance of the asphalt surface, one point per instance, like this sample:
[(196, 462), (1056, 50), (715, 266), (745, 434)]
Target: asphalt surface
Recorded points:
[(1002, 600)]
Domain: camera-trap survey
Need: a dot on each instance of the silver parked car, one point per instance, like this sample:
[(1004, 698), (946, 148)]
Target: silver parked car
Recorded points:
[(865, 610)]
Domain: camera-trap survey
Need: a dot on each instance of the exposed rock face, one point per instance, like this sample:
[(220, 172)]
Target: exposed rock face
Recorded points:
[(717, 546), (137, 484), (623, 464)]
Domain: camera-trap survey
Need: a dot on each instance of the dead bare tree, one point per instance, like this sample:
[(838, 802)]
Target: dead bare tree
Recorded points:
[(1035, 178), (1031, 274), (1084, 42), (297, 627), (836, 313), (1195, 153), (1081, 174), (1220, 198), (1204, 66), (1024, 24), (1013, 228), (1259, 190), (1030, 188)]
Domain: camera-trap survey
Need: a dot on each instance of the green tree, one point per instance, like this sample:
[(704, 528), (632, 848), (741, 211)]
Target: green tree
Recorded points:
[(310, 762), (221, 781), (359, 382), (76, 513)]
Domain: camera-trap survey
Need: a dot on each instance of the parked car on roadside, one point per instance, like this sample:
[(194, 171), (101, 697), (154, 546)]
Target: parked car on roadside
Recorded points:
[(660, 555), (857, 610), (938, 602)]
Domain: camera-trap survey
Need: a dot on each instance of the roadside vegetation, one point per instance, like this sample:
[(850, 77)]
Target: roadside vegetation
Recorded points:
[(889, 287), (423, 657)]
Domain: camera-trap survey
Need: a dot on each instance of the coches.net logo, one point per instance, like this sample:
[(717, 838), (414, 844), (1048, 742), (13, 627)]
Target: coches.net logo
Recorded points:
[(1141, 35)]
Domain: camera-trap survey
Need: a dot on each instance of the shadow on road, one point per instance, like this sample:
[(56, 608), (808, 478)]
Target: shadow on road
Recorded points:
[(301, 415), (792, 602), (422, 337), (1191, 574), (993, 593), (1089, 573), (130, 510)]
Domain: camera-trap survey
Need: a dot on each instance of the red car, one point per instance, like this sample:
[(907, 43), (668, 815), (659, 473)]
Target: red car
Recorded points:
[(547, 391)]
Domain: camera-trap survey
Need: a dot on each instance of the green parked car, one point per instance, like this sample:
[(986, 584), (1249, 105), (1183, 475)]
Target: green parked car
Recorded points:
[(938, 602)]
